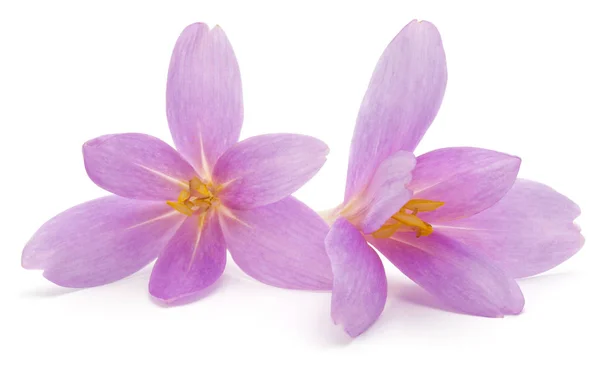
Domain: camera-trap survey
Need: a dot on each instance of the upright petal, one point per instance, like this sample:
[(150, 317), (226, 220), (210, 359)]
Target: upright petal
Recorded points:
[(529, 231), (403, 98), (467, 180), (100, 241), (264, 169), (452, 272), (136, 166), (281, 244), (359, 282), (385, 194), (193, 260), (204, 96)]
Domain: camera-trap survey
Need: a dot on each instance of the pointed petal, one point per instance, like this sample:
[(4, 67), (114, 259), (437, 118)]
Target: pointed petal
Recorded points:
[(529, 231), (264, 169), (193, 259), (451, 271), (100, 241), (359, 283), (385, 194), (467, 180), (280, 244), (403, 98), (136, 166), (204, 95)]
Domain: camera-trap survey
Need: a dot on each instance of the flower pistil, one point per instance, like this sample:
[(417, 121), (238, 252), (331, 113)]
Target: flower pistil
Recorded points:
[(406, 219), (198, 198)]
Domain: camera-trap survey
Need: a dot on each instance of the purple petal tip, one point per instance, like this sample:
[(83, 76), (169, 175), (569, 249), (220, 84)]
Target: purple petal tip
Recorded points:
[(196, 26), (96, 142), (28, 261)]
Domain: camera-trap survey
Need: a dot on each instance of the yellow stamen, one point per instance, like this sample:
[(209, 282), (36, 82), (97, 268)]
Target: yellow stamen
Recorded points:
[(180, 207), (410, 220), (406, 219), (199, 197), (199, 189), (386, 231), (202, 202), (422, 205), (183, 196)]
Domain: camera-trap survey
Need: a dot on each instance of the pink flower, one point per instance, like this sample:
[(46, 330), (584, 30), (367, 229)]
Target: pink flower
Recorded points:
[(186, 206), (455, 220)]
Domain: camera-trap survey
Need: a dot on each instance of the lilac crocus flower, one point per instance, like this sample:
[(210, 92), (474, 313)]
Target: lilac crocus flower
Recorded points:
[(456, 220), (186, 206)]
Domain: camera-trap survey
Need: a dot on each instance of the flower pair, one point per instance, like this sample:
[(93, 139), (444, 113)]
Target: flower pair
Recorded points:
[(457, 221)]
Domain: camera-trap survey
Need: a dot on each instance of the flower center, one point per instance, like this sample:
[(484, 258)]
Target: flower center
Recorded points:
[(406, 220), (198, 198)]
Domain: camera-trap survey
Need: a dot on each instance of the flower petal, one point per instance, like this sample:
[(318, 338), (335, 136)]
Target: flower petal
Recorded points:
[(193, 260), (204, 96), (264, 169), (467, 180), (359, 282), (136, 166), (385, 194), (100, 241), (403, 98), (450, 271), (529, 231), (280, 244)]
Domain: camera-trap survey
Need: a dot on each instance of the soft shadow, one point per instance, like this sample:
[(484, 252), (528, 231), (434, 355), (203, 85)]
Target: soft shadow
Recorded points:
[(413, 294), (405, 311), (401, 294), (329, 333), (50, 291), (404, 303), (208, 291), (546, 278), (412, 310)]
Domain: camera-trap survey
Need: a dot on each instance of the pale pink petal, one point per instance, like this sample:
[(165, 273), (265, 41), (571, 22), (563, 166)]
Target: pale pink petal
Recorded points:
[(136, 166), (385, 194), (467, 180), (193, 260), (359, 282), (264, 169), (403, 98), (100, 241), (529, 231), (204, 95), (452, 272), (281, 244)]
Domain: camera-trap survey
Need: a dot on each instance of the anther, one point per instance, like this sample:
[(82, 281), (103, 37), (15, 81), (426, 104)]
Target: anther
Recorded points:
[(199, 198), (406, 219)]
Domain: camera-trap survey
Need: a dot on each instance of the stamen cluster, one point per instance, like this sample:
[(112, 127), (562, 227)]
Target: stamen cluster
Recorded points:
[(406, 219), (198, 198)]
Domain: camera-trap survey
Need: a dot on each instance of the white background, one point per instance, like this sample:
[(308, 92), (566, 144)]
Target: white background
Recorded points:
[(523, 79)]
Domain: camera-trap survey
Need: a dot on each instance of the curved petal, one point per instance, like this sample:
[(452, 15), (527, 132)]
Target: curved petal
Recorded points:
[(193, 259), (280, 244), (450, 271), (529, 231), (403, 98), (100, 241), (467, 180), (264, 169), (136, 166), (204, 96), (385, 194), (359, 282)]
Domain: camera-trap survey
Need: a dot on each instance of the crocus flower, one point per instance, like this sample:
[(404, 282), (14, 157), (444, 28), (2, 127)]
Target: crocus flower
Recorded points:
[(456, 220), (186, 206)]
